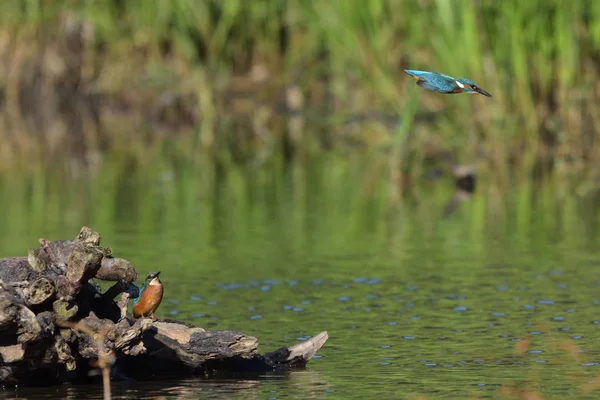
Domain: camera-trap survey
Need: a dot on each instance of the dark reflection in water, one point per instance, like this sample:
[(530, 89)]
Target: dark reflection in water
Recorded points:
[(305, 384)]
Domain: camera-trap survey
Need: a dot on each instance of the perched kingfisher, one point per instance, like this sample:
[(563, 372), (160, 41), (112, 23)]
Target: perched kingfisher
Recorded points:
[(445, 84), (149, 298)]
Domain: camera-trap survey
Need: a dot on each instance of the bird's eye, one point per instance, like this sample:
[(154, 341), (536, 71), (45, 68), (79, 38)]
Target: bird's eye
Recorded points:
[(473, 86)]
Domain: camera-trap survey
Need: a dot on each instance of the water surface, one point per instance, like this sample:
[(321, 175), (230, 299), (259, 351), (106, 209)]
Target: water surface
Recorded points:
[(488, 303)]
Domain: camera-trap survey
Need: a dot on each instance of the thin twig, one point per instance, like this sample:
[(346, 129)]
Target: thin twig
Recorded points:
[(105, 358)]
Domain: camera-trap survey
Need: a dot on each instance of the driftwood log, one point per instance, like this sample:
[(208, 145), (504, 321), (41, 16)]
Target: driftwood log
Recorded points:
[(55, 323)]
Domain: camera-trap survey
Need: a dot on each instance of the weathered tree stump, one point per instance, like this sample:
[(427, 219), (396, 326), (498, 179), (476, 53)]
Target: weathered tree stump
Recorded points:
[(56, 325)]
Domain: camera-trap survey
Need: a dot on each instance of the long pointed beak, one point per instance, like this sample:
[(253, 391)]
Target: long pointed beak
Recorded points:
[(483, 92), (158, 273)]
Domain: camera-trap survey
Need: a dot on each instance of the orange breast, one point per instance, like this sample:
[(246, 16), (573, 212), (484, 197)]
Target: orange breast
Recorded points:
[(149, 301)]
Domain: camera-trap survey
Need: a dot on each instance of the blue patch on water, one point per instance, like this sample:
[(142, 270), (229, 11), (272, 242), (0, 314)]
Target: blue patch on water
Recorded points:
[(430, 364), (173, 301), (265, 288), (558, 318), (392, 323), (173, 312), (571, 310), (214, 318), (343, 298), (565, 329), (481, 384), (502, 288), (360, 279), (412, 287), (546, 302), (256, 317), (540, 361), (329, 391), (317, 356), (409, 304), (561, 286), (590, 364), (596, 322), (231, 286), (416, 318), (374, 281), (287, 307), (460, 308), (368, 310), (529, 306), (385, 363), (535, 333), (211, 303), (306, 302), (372, 296), (596, 302), (251, 308), (535, 351), (386, 346), (195, 298), (292, 283), (577, 337), (297, 309), (498, 314), (409, 337), (198, 315), (318, 281)]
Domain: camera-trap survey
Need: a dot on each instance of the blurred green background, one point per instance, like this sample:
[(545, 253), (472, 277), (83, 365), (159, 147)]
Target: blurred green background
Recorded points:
[(252, 83)]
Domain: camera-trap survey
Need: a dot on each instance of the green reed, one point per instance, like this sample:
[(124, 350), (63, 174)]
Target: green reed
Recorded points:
[(339, 59)]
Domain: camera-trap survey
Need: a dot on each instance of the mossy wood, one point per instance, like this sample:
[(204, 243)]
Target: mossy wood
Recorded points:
[(52, 318)]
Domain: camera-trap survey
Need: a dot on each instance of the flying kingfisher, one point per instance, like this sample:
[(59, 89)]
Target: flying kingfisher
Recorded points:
[(445, 84), (149, 298)]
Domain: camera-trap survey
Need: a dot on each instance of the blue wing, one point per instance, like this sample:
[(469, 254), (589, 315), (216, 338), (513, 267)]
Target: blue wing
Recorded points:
[(140, 294), (433, 81), (429, 86)]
